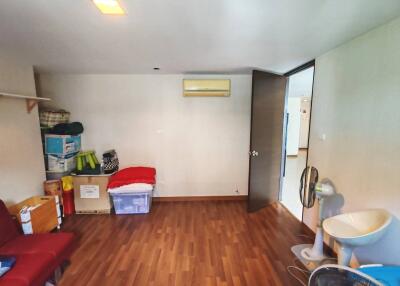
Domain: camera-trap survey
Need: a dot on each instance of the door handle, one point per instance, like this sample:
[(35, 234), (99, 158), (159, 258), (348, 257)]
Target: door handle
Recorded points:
[(253, 153)]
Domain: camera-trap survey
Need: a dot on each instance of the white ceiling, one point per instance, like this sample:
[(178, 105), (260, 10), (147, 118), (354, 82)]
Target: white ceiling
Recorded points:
[(182, 36)]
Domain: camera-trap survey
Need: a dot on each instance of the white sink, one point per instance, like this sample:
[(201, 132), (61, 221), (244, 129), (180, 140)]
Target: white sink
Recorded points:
[(355, 229)]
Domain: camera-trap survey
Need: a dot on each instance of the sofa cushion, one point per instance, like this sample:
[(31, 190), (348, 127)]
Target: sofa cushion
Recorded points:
[(29, 270), (58, 245), (8, 228), (14, 281)]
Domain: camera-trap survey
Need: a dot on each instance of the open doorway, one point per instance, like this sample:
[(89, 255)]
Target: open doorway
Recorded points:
[(298, 110)]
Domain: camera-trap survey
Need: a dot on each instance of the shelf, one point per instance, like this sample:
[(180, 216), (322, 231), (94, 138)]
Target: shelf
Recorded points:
[(31, 101)]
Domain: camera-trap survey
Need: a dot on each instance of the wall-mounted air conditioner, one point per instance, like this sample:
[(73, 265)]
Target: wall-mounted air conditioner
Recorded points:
[(206, 87)]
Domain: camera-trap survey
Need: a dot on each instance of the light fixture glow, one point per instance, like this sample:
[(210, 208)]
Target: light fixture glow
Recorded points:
[(109, 7)]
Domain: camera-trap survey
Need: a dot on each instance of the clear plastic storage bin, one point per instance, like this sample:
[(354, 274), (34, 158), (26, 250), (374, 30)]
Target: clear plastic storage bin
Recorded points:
[(132, 203)]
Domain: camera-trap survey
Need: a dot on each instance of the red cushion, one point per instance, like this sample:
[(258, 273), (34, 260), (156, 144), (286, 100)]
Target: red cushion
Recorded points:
[(8, 228), (29, 270), (133, 175), (58, 245), (14, 281)]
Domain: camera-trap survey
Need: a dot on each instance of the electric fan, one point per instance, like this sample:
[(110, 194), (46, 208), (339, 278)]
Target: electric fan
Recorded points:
[(310, 189), (339, 275)]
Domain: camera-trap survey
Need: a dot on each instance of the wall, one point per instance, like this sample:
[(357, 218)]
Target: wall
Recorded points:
[(304, 121), (22, 166), (300, 86), (356, 101), (293, 128), (198, 145)]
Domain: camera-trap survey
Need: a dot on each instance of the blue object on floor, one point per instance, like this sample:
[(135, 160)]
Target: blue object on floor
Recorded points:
[(387, 275), (6, 263)]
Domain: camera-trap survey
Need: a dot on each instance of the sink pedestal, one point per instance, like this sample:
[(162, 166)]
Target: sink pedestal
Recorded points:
[(344, 255)]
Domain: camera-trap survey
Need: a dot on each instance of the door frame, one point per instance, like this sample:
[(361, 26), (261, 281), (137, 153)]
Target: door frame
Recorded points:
[(288, 74)]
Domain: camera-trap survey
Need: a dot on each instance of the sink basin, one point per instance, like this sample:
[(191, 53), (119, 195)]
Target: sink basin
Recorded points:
[(355, 229)]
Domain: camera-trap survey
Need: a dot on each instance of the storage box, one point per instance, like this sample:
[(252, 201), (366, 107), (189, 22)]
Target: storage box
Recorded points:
[(44, 216), (91, 194), (56, 175), (132, 203), (62, 144), (57, 163), (53, 188), (50, 118)]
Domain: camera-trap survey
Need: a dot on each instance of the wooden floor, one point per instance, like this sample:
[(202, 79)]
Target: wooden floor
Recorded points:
[(185, 243)]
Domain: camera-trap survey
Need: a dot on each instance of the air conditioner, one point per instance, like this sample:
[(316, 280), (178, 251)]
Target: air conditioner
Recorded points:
[(206, 87)]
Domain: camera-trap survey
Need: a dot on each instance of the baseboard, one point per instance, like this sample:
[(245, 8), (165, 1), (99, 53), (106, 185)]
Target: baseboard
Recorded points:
[(200, 198)]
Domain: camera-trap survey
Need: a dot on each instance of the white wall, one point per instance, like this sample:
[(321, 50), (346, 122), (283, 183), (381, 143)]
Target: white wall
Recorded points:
[(300, 86), (198, 145), (305, 108), (21, 159), (293, 128), (301, 83), (356, 104)]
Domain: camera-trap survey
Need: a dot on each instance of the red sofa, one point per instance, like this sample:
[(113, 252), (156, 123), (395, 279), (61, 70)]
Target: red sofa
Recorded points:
[(37, 255)]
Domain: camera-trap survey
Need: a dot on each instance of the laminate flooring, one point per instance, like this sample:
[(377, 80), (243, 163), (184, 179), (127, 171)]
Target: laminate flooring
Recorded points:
[(205, 243)]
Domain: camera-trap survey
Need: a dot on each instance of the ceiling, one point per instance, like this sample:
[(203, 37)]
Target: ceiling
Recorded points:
[(182, 36)]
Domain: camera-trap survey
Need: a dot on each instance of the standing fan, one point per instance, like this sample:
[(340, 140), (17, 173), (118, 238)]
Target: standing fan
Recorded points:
[(310, 189), (308, 181), (339, 275)]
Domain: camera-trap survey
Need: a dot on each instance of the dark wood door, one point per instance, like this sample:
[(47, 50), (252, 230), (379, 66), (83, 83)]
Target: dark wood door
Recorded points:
[(266, 140)]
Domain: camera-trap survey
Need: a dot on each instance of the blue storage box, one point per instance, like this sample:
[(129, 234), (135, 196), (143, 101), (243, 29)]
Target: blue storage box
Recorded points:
[(132, 203), (62, 144)]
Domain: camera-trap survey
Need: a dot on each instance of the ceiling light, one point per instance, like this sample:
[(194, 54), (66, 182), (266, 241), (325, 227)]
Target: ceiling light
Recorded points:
[(109, 7)]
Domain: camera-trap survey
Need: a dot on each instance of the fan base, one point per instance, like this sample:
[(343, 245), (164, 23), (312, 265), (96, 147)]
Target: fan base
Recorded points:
[(310, 263)]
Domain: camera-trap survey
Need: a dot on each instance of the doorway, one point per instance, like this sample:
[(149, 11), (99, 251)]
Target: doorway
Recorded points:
[(298, 114)]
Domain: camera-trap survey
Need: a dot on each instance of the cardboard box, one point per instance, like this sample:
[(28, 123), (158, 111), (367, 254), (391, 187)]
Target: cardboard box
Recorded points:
[(91, 195), (42, 218)]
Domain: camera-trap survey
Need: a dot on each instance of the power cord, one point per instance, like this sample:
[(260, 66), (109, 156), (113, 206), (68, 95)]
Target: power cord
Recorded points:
[(305, 273), (295, 267)]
